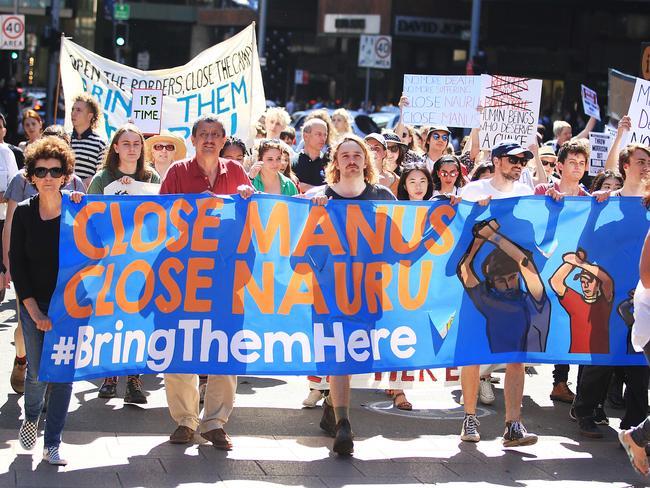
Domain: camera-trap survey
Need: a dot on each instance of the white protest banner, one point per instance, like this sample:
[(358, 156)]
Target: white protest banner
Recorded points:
[(442, 100), (590, 102), (147, 110), (133, 188), (639, 112), (225, 80), (511, 109), (600, 143)]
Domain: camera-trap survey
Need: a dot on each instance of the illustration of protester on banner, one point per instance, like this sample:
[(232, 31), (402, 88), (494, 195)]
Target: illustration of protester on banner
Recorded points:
[(517, 320), (589, 311)]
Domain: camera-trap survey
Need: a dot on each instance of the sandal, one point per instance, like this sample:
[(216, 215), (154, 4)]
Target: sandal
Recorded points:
[(630, 454), (403, 405)]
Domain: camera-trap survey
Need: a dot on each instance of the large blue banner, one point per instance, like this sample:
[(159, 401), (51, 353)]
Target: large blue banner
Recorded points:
[(276, 285)]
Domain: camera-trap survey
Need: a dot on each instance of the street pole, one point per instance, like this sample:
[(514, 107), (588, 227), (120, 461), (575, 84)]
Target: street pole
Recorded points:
[(476, 28), (367, 88), (53, 72), (261, 31)]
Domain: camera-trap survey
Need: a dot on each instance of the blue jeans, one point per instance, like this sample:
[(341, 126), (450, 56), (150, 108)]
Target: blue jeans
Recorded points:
[(57, 407)]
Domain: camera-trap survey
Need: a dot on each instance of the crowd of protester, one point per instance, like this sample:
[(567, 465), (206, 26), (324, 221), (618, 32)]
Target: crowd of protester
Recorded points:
[(405, 163)]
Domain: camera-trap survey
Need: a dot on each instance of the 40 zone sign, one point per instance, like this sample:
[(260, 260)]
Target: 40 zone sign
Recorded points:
[(12, 35)]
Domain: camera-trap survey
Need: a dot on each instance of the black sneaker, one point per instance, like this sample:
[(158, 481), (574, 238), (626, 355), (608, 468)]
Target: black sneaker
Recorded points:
[(134, 391), (328, 420), (517, 435), (343, 444), (108, 388), (588, 428), (600, 417)]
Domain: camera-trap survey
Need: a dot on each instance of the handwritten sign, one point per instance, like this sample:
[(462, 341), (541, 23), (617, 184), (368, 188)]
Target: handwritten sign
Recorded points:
[(590, 102), (511, 109), (225, 80), (639, 112), (600, 143), (442, 100), (147, 110)]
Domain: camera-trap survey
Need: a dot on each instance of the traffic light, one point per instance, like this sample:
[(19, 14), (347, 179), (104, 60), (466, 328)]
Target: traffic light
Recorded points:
[(121, 34), (14, 55)]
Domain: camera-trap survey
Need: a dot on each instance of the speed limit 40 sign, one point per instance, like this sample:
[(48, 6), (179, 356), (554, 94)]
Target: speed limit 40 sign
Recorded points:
[(12, 32), (375, 52)]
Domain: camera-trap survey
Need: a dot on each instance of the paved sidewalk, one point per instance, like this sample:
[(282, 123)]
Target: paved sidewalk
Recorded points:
[(109, 444)]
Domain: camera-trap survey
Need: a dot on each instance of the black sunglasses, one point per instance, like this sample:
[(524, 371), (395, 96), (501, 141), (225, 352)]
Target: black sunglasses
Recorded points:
[(548, 163), (42, 172), (394, 148), (515, 160)]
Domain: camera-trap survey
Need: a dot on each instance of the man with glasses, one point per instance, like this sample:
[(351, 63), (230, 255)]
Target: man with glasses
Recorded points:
[(509, 158)]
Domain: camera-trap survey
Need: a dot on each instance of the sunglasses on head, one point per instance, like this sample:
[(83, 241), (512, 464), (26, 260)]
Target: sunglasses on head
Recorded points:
[(167, 147), (394, 148), (515, 160), (444, 137), (548, 163), (42, 172)]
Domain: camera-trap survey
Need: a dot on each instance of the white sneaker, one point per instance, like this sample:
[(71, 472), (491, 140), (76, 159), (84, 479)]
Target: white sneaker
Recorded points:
[(27, 435), (313, 398), (486, 392), (469, 431), (51, 455)]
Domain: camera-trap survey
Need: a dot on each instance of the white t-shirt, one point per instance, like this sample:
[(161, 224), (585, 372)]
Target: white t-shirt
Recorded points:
[(641, 327), (480, 189)]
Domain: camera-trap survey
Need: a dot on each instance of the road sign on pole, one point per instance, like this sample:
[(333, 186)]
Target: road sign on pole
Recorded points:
[(375, 52), (12, 32), (122, 11)]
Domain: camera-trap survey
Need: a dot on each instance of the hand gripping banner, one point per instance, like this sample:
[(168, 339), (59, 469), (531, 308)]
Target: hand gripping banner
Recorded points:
[(225, 80), (276, 285)]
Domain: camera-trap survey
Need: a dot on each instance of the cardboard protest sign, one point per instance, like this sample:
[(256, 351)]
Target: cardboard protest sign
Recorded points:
[(147, 110), (442, 100), (600, 144), (224, 80), (639, 112), (511, 109), (590, 102), (619, 93)]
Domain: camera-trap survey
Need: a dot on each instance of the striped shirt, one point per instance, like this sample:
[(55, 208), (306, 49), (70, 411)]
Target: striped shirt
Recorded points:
[(89, 150)]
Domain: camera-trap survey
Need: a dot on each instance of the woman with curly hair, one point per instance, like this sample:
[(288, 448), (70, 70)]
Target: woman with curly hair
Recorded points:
[(34, 257)]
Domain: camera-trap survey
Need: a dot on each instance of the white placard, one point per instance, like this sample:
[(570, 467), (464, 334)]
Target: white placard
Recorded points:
[(12, 32), (442, 100), (639, 112), (590, 102), (146, 110), (375, 52), (600, 143), (511, 109), (133, 188), (225, 79)]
